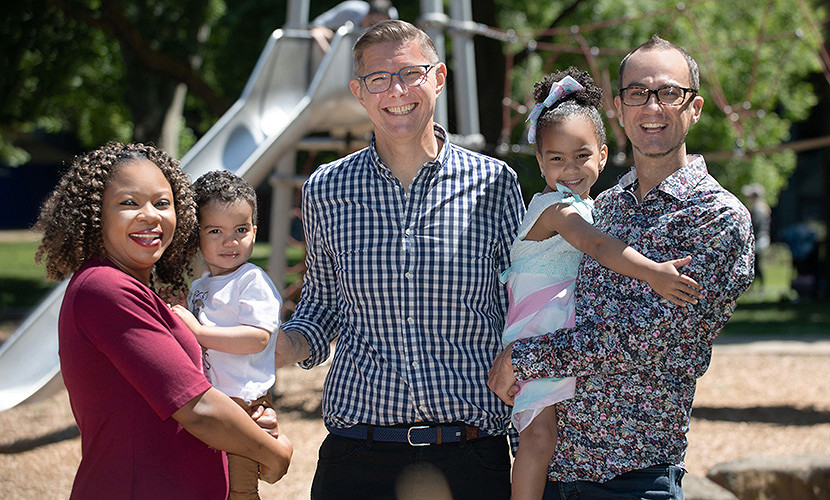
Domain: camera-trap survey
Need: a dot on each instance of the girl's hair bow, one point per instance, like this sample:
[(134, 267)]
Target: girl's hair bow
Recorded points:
[(558, 90)]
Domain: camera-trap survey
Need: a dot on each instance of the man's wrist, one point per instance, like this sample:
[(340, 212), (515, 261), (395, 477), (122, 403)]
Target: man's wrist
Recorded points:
[(292, 348)]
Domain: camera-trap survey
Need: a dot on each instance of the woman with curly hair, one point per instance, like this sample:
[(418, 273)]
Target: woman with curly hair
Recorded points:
[(119, 216)]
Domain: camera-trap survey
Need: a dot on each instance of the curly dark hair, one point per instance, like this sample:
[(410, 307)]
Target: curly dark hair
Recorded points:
[(223, 186), (70, 218), (586, 103)]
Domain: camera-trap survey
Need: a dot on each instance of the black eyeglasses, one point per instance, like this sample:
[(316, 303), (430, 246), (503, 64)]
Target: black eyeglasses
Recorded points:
[(669, 95), (411, 76)]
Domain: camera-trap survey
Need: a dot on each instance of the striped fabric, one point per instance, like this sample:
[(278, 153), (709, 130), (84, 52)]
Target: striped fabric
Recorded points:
[(540, 284)]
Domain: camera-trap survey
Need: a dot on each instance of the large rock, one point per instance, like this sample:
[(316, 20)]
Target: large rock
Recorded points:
[(700, 488), (798, 477)]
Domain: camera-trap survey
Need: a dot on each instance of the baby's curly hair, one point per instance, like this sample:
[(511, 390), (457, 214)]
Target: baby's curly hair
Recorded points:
[(586, 103), (70, 218), (223, 186)]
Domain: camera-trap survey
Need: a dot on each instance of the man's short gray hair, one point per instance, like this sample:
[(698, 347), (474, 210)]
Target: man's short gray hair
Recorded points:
[(393, 30)]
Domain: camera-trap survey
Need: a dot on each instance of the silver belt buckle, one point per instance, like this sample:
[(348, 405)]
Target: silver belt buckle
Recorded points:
[(409, 435)]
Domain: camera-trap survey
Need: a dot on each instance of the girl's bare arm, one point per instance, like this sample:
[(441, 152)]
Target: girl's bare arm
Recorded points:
[(613, 253)]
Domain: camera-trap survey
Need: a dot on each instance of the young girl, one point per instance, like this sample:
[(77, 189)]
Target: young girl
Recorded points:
[(545, 256)]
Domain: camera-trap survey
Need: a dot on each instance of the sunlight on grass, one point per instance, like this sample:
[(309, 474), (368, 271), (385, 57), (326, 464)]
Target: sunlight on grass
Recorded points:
[(22, 282), (774, 308), (19, 261), (771, 309)]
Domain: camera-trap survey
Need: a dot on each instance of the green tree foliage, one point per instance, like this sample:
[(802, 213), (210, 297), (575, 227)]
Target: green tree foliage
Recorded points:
[(106, 69), (58, 75), (754, 57), (101, 70)]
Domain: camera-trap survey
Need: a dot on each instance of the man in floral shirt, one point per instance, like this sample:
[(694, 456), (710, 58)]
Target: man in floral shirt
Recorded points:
[(637, 356)]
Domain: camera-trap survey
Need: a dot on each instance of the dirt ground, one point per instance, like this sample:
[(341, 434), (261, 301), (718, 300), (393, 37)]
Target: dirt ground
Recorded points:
[(752, 401)]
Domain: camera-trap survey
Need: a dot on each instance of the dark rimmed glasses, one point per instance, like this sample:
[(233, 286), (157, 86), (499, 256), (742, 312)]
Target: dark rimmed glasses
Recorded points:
[(381, 81), (670, 95)]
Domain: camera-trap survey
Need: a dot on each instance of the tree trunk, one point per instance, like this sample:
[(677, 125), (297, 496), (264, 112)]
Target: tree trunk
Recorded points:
[(172, 124)]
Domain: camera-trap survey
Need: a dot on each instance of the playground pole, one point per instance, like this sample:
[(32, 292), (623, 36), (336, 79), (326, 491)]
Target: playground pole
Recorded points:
[(431, 9), (297, 15), (466, 94)]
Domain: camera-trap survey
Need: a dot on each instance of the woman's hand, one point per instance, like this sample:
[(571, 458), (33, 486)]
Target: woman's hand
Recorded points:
[(274, 474), (266, 418), (220, 423)]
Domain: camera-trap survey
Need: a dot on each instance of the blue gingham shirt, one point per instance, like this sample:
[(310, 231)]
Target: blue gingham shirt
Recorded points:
[(407, 282)]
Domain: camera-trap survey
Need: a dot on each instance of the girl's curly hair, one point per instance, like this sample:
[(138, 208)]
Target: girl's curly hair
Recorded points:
[(586, 103), (70, 218)]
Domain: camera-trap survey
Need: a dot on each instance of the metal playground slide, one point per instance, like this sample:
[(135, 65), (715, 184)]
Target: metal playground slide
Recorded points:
[(294, 90)]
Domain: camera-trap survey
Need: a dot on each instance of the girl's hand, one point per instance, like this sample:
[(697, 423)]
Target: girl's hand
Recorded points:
[(188, 318), (677, 288), (266, 418)]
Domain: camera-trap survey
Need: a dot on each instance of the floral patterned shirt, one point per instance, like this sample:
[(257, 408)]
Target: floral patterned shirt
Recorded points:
[(637, 356)]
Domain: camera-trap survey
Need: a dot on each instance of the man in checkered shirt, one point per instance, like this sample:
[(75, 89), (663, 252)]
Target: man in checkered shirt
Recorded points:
[(406, 240)]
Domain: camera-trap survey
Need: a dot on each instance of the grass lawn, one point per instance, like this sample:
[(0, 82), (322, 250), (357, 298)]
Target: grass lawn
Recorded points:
[(772, 310), (775, 309), (22, 282)]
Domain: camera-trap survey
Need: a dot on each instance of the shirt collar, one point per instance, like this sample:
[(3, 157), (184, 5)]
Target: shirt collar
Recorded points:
[(678, 184), (441, 159), (443, 143)]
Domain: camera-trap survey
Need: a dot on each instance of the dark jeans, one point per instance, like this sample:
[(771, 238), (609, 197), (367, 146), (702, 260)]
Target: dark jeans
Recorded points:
[(658, 482), (364, 470)]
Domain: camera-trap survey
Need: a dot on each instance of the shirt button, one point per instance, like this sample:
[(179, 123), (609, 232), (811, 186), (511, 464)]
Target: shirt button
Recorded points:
[(407, 231), (423, 408), (410, 320), (414, 364), (407, 275)]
